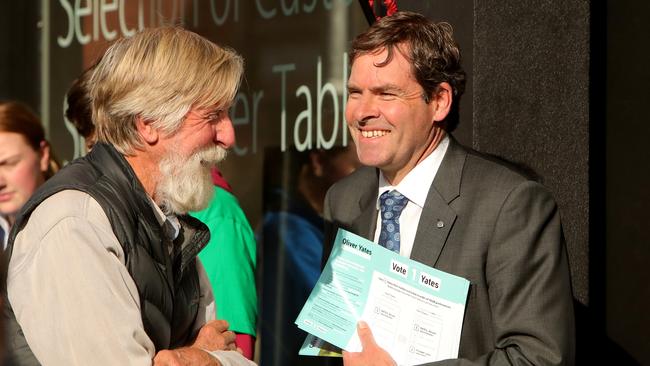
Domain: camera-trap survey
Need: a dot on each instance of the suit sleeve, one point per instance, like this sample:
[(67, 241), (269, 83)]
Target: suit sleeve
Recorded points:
[(527, 271)]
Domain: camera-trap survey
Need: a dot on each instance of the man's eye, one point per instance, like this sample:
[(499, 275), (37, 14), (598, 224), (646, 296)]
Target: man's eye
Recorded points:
[(353, 93), (216, 115)]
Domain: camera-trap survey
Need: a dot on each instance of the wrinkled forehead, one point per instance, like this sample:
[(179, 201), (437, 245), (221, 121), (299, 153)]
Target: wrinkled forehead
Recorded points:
[(213, 103), (387, 51), (383, 62)]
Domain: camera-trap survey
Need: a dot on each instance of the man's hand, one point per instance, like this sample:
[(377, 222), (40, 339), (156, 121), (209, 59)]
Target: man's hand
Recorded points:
[(371, 354), (215, 336), (183, 357)]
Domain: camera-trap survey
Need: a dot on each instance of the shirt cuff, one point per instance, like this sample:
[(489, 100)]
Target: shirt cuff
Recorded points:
[(231, 358)]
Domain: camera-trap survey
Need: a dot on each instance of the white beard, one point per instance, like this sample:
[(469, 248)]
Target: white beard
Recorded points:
[(186, 184)]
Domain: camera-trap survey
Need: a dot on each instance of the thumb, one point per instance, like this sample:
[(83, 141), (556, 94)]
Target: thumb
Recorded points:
[(365, 335), (220, 324)]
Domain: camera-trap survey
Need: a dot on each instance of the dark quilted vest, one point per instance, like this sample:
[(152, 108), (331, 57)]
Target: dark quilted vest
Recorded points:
[(168, 285)]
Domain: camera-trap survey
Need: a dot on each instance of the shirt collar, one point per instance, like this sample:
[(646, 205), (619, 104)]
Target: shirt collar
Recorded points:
[(169, 223), (4, 227), (415, 185)]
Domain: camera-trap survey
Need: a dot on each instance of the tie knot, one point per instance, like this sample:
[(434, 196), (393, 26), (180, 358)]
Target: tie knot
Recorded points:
[(392, 201)]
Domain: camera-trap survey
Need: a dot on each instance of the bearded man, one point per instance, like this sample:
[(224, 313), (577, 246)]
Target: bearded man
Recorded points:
[(103, 267)]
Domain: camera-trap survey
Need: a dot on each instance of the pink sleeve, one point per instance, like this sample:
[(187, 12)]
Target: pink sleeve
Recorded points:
[(247, 344)]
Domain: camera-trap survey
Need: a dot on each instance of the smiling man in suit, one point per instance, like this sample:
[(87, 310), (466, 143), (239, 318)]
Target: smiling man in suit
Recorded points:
[(427, 197)]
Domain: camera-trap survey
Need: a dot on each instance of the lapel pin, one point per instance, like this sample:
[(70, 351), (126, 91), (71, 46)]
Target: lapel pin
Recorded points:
[(440, 224)]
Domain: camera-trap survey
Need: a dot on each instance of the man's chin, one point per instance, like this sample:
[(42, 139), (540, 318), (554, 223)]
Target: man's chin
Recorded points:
[(187, 190), (206, 195), (179, 205), (187, 182)]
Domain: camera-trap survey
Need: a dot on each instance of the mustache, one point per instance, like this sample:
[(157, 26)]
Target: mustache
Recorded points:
[(210, 156)]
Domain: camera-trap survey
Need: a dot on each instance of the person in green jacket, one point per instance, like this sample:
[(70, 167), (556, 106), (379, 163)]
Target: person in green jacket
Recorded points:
[(230, 261)]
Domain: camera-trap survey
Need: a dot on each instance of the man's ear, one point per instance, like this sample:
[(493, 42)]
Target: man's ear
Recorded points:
[(145, 129), (441, 101)]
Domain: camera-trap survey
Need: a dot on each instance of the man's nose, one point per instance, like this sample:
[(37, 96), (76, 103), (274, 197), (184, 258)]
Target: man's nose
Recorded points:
[(365, 108), (225, 136)]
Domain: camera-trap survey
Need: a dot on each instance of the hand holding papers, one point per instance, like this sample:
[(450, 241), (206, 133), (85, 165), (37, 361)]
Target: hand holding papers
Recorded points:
[(415, 312)]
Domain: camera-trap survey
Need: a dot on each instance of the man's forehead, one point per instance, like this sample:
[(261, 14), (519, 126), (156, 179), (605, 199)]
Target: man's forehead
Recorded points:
[(382, 53), (213, 107), (382, 60), (392, 75)]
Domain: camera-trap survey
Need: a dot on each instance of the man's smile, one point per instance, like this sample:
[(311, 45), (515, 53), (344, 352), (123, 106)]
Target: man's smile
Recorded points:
[(374, 133)]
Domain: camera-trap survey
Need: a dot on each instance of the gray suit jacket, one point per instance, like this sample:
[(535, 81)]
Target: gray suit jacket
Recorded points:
[(501, 231)]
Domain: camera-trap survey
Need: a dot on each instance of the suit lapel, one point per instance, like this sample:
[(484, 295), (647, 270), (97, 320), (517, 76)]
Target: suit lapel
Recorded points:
[(438, 217), (366, 223)]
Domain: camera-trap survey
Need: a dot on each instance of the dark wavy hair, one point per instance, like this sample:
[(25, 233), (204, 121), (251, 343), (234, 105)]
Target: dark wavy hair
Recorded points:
[(79, 111), (429, 47)]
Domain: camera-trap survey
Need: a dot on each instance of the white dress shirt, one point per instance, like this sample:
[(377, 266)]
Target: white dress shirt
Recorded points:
[(415, 186), (4, 226)]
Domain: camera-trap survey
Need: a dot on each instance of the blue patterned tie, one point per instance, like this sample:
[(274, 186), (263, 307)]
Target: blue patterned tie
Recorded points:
[(391, 204)]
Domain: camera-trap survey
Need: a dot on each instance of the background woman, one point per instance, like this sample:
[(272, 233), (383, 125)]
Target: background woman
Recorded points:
[(25, 161)]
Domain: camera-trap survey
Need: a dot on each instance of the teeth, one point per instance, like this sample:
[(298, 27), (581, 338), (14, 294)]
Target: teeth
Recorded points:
[(374, 133)]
